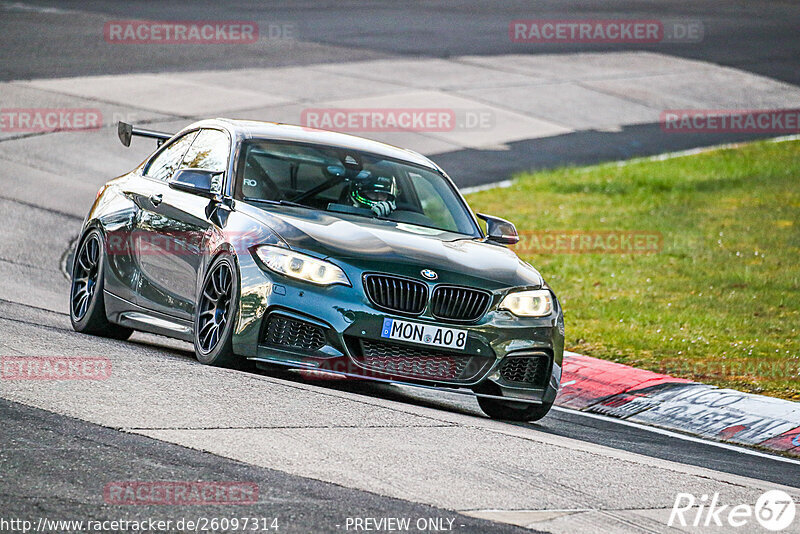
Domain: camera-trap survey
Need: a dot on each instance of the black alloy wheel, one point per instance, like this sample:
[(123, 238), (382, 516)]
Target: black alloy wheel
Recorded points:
[(87, 310), (84, 278), (217, 307), (214, 307)]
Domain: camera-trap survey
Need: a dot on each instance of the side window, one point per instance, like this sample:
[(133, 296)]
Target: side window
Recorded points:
[(433, 203), (209, 151), (264, 177), (309, 177), (167, 162)]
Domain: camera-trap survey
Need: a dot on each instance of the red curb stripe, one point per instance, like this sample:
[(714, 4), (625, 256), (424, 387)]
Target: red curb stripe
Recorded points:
[(587, 381), (788, 442), (655, 399)]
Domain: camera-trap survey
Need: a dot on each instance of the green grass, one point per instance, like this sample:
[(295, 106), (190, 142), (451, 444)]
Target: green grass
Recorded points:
[(719, 303)]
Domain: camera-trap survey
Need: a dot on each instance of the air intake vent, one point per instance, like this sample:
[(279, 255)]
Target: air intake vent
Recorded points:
[(459, 303), (400, 360), (284, 331), (396, 294), (410, 361), (530, 370)]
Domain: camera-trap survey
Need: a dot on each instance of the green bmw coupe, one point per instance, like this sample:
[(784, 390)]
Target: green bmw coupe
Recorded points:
[(317, 250)]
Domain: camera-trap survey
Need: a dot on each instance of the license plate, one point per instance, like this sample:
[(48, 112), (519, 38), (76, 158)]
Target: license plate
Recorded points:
[(424, 334)]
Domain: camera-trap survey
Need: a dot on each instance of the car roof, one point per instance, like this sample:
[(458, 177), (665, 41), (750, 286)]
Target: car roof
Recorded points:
[(248, 129)]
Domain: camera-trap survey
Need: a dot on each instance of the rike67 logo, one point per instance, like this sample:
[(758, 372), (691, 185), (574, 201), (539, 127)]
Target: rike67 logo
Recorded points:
[(774, 510)]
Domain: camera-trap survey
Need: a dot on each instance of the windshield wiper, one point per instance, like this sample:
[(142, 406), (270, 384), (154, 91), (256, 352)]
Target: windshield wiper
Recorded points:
[(351, 210), (281, 203), (332, 207)]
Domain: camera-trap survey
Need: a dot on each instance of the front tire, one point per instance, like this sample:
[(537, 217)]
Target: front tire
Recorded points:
[(510, 410), (87, 310), (217, 308)]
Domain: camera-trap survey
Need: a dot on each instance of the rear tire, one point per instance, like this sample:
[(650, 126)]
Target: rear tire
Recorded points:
[(510, 410), (87, 310), (215, 316)]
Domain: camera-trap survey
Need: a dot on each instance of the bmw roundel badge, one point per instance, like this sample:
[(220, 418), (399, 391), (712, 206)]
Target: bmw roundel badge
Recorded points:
[(429, 274)]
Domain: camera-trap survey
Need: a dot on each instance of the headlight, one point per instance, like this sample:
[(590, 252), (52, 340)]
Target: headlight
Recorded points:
[(301, 266), (535, 303)]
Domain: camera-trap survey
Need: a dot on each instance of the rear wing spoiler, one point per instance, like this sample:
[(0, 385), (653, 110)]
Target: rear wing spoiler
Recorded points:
[(125, 131)]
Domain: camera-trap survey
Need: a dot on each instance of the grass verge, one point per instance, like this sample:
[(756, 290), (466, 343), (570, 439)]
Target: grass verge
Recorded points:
[(718, 301)]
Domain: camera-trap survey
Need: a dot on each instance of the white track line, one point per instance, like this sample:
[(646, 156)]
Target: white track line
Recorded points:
[(700, 150), (678, 435), (29, 8), (657, 157), (484, 187)]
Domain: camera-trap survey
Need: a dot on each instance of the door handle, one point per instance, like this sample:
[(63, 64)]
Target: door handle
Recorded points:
[(155, 200)]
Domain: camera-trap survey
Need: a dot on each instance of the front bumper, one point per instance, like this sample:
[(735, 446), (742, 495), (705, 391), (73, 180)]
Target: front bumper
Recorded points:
[(341, 332)]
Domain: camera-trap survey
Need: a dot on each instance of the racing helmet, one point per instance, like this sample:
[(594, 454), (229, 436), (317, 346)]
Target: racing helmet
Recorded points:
[(371, 190)]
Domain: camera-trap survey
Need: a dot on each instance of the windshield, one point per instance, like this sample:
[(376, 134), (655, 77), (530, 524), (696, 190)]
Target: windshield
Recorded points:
[(344, 181)]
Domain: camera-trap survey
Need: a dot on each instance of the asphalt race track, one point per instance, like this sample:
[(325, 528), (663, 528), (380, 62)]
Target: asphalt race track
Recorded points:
[(757, 36), (61, 39), (323, 451)]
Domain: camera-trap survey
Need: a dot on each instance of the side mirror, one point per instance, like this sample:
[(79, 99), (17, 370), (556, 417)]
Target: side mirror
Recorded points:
[(202, 182), (499, 230)]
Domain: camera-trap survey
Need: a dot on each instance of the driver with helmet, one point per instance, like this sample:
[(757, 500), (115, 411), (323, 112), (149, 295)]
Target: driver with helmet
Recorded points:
[(375, 193)]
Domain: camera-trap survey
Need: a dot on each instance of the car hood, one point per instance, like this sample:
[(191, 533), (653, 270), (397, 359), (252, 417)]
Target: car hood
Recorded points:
[(375, 245)]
